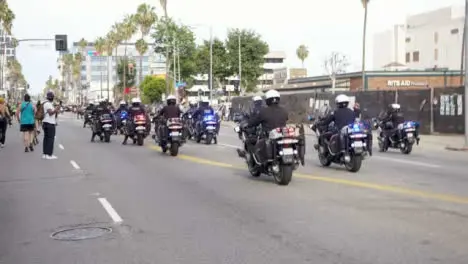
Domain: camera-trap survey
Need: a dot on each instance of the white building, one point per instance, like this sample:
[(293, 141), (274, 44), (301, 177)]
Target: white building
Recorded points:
[(95, 69), (427, 40), (7, 52)]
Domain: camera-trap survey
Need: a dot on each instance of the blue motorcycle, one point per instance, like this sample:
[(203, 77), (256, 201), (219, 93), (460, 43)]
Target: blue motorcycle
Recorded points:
[(329, 147), (208, 129), (403, 138)]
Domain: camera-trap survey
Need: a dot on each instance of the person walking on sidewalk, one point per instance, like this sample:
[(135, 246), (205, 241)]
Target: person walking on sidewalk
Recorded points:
[(48, 126), (5, 118), (27, 122)]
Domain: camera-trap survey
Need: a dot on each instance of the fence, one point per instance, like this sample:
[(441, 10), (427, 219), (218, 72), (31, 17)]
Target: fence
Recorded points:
[(439, 110)]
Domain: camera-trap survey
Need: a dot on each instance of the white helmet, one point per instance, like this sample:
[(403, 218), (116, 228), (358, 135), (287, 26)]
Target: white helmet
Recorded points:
[(272, 94), (171, 97), (193, 102), (342, 98), (122, 102), (136, 100), (396, 106), (257, 98)]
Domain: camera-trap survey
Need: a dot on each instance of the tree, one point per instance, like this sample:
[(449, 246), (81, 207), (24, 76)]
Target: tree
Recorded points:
[(152, 89), (221, 69), (111, 43), (125, 65), (302, 53), (100, 46), (145, 19), (335, 64), (54, 86), (6, 17), (169, 35), (253, 50)]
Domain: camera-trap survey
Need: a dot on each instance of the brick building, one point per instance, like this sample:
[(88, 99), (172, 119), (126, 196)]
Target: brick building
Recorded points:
[(375, 80)]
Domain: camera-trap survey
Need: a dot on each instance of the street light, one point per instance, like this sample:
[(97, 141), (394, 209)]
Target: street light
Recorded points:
[(466, 75)]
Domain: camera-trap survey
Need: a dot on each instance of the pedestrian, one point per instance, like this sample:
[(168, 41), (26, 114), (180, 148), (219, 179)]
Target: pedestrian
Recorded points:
[(48, 126), (5, 118), (25, 116)]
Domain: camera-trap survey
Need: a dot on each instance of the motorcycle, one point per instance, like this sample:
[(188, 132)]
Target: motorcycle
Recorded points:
[(329, 149), (175, 139), (140, 131), (104, 131), (122, 122), (403, 138), (88, 118), (189, 129), (208, 130), (282, 148)]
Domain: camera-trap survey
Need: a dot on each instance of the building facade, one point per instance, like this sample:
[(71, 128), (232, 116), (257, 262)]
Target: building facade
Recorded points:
[(375, 80), (96, 69), (7, 52), (428, 40)]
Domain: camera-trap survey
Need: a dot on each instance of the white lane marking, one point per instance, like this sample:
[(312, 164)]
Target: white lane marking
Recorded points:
[(74, 164), (110, 210), (61, 146), (409, 162), (228, 145)]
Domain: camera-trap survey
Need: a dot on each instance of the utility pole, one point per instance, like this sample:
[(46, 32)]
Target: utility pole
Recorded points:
[(175, 65), (211, 63), (466, 75), (240, 65)]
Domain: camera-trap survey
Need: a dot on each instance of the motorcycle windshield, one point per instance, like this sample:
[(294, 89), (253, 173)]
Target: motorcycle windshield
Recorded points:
[(357, 127), (409, 124), (209, 118), (324, 111)]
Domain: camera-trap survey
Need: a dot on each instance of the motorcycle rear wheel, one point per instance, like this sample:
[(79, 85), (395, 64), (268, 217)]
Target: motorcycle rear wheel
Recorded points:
[(284, 176), (354, 165)]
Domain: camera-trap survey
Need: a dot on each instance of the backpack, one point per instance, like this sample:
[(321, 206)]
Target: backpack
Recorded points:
[(40, 112)]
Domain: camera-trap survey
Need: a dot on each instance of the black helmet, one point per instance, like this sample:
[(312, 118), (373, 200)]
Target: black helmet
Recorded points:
[(50, 96)]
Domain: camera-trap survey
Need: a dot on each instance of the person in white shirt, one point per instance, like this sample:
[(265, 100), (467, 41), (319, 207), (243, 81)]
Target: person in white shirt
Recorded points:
[(48, 125)]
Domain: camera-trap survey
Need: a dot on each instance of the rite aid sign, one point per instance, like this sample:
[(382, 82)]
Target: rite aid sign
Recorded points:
[(404, 83)]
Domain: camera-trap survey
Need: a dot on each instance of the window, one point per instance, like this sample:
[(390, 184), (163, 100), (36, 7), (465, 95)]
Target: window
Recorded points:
[(415, 56), (83, 77), (83, 67), (96, 78), (454, 31), (436, 54), (436, 37), (408, 57), (408, 40)]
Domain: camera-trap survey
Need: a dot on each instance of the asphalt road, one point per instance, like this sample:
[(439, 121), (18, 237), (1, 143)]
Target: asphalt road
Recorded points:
[(202, 207)]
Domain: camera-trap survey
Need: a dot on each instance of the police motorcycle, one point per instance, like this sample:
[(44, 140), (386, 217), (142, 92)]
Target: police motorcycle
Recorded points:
[(189, 125), (122, 121), (88, 118), (102, 126), (402, 138), (208, 129), (285, 149), (140, 131), (328, 147)]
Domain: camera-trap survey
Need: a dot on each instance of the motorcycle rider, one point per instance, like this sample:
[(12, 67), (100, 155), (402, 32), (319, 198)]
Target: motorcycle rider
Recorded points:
[(392, 118), (342, 116), (204, 109), (135, 109), (257, 105), (88, 110), (270, 117), (171, 110), (98, 111)]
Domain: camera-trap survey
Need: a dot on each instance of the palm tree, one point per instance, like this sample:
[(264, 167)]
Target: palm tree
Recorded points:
[(82, 44), (364, 4), (110, 45), (163, 4), (145, 19), (6, 17), (76, 72), (99, 45), (128, 29), (115, 36), (302, 53)]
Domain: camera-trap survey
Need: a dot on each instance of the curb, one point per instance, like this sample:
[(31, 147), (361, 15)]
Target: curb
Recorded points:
[(456, 148)]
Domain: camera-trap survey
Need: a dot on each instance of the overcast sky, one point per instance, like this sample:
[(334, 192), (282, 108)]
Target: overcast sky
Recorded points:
[(324, 26)]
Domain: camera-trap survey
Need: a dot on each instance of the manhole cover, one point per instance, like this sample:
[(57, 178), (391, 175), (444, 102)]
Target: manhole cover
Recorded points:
[(81, 233)]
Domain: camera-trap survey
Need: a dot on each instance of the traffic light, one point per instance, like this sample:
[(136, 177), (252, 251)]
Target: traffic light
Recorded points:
[(61, 43)]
